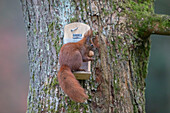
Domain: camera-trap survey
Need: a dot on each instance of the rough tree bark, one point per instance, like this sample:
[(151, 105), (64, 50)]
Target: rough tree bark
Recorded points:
[(118, 76)]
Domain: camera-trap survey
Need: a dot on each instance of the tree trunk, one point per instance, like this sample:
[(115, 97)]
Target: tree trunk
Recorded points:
[(118, 76)]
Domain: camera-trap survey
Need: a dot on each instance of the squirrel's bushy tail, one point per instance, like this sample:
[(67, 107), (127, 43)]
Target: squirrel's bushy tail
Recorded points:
[(70, 85)]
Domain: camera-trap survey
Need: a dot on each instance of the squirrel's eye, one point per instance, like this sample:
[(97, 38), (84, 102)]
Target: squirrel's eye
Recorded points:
[(91, 45)]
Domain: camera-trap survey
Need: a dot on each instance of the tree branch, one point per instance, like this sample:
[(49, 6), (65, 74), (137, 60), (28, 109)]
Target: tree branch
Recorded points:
[(148, 24), (160, 24)]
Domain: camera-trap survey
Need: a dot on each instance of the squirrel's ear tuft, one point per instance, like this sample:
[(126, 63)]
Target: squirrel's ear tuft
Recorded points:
[(89, 33)]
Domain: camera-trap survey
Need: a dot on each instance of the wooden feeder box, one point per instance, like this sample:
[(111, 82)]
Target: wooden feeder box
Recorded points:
[(73, 33)]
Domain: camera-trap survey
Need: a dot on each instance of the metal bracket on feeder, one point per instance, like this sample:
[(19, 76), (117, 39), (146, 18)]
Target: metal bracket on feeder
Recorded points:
[(73, 33)]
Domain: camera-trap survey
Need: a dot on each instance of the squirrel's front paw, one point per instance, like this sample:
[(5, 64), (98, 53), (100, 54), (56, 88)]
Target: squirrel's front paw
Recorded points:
[(92, 59)]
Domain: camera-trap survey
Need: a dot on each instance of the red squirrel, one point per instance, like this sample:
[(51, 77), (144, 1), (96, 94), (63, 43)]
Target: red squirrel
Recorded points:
[(71, 57)]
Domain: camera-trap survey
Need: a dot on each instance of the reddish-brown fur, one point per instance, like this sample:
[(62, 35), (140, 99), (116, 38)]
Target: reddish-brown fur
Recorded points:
[(71, 57), (70, 85)]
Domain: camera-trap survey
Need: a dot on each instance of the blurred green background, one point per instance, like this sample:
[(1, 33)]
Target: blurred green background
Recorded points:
[(14, 74), (158, 78)]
